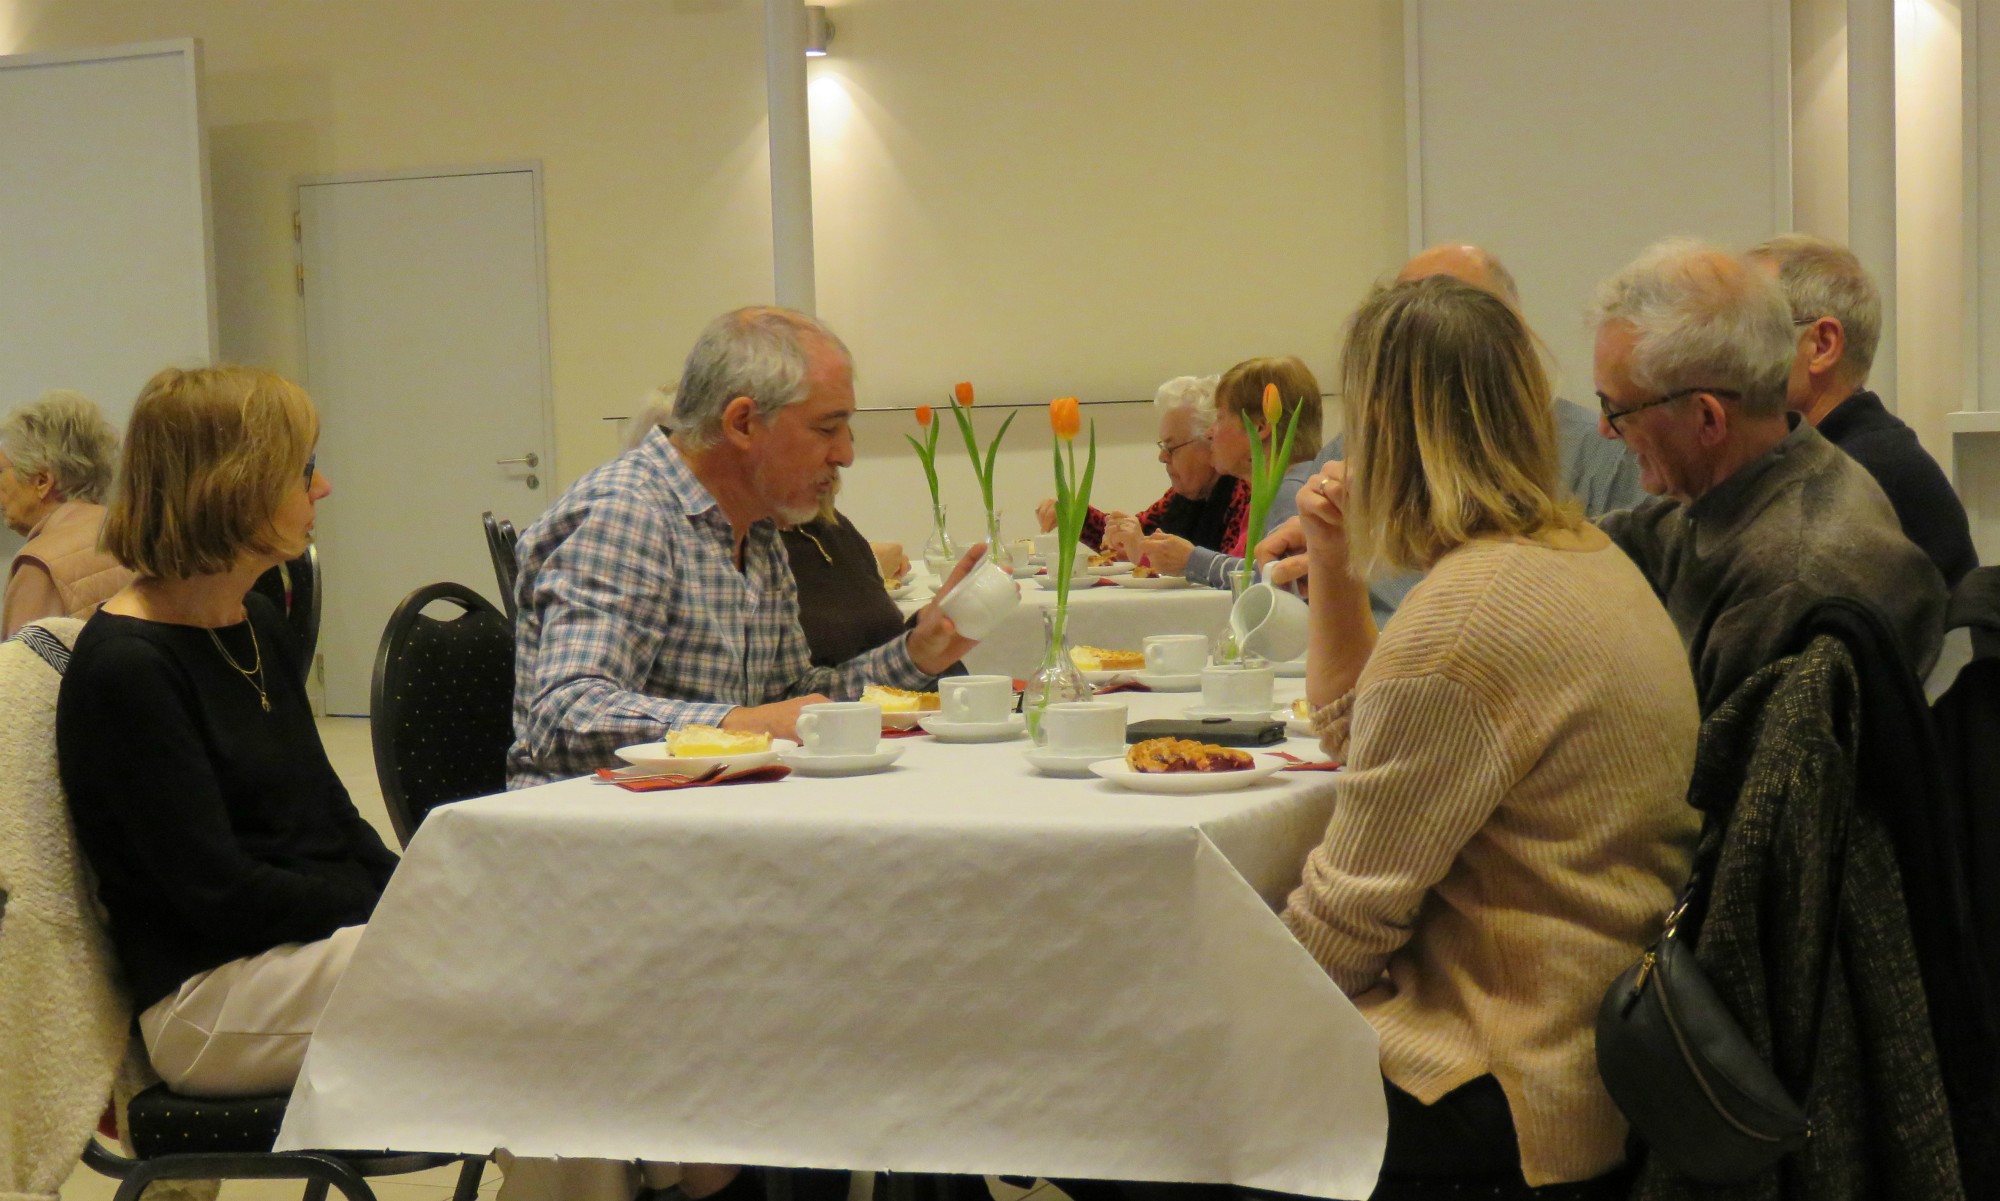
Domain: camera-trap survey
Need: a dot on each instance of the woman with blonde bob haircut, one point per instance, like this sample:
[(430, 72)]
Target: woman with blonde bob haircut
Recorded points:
[(234, 869), (1511, 826)]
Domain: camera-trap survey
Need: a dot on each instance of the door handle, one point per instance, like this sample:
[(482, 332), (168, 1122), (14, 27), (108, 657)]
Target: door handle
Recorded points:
[(531, 459)]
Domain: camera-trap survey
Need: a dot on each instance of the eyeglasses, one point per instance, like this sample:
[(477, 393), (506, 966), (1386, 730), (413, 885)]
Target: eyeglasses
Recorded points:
[(312, 464), (1613, 416), (1167, 448)]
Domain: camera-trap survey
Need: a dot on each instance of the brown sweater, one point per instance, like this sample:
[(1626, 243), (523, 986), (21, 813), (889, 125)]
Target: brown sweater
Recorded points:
[(1511, 829)]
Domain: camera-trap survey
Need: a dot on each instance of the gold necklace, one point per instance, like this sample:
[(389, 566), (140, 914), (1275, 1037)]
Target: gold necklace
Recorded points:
[(815, 541), (255, 673)]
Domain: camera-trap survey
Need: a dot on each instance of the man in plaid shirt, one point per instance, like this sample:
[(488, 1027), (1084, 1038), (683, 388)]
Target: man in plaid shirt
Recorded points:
[(656, 593)]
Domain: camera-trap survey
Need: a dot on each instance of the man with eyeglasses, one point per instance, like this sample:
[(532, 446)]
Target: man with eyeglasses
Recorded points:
[(1755, 518), (1837, 313)]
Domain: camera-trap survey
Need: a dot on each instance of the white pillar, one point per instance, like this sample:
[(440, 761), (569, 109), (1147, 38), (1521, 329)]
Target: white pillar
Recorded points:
[(1871, 166), (791, 153)]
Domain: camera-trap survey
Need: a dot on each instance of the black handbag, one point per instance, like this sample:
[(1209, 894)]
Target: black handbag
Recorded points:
[(1685, 1075)]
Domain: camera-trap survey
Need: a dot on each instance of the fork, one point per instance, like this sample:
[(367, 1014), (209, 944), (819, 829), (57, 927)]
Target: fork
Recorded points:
[(711, 772)]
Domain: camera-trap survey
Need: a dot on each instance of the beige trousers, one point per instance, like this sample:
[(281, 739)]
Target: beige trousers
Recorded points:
[(241, 1030)]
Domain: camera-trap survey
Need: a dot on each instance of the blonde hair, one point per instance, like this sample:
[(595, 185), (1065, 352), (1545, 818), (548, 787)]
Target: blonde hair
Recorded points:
[(1450, 432), (210, 455), (64, 434), (1241, 390)]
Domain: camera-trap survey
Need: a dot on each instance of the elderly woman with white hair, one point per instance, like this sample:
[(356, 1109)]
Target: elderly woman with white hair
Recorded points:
[(56, 458), (1200, 501)]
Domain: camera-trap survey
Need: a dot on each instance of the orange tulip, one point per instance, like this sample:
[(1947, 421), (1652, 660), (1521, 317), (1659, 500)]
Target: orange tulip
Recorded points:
[(963, 393), (924, 416), (1064, 417), (1273, 407)]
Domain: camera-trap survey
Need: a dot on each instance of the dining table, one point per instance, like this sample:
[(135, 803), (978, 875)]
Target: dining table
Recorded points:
[(955, 964)]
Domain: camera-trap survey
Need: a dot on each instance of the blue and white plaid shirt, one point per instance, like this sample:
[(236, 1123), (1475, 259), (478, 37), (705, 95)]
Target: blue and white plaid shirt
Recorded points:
[(634, 620)]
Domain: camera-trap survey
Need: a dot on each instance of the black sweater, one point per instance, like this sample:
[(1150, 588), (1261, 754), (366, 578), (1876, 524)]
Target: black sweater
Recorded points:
[(217, 831), (1930, 511)]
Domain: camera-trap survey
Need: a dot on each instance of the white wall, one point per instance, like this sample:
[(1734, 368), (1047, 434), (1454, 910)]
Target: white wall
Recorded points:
[(1043, 196)]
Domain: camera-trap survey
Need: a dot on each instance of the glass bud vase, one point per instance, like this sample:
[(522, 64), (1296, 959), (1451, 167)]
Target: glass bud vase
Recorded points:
[(997, 549), (941, 554), (1222, 648), (1055, 681)]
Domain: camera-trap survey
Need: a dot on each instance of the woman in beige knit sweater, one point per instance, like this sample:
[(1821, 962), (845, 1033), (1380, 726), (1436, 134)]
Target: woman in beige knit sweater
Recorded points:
[(1512, 824)]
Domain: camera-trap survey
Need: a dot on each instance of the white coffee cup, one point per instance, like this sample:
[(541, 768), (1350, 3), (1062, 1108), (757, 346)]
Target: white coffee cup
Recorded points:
[(1234, 688), (1084, 728), (1045, 546), (975, 700), (1175, 654), (982, 600), (1270, 623), (840, 728)]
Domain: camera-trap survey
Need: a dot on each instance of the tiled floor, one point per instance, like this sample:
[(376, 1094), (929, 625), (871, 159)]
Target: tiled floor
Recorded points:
[(348, 746)]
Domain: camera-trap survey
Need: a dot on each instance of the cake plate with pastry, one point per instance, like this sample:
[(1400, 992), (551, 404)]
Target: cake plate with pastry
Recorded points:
[(692, 750), (901, 707), (1181, 765)]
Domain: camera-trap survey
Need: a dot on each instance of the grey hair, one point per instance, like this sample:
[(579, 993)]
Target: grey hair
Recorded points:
[(1195, 393), (1824, 279), (756, 352), (1704, 319), (65, 434), (658, 410)]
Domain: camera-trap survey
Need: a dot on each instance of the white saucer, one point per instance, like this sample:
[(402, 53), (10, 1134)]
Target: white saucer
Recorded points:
[(806, 763), (1050, 763), (903, 719), (1115, 771), (901, 590), (1152, 581), (1292, 669), (1110, 570), (1298, 727), (1203, 713), (654, 757), (1169, 683), (1023, 570), (974, 731)]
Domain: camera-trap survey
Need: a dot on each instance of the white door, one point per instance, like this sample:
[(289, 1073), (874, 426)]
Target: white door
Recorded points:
[(427, 353)]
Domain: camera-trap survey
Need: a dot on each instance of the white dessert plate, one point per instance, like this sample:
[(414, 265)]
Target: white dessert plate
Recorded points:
[(905, 720), (1169, 683), (974, 731), (1062, 763), (1290, 670), (1111, 569), (899, 591), (655, 757), (1022, 570), (1153, 581), (1203, 713), (806, 763), (1110, 677), (1298, 727), (1114, 770)]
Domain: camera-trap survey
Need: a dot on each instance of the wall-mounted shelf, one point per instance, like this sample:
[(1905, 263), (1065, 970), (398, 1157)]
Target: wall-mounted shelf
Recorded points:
[(1973, 421)]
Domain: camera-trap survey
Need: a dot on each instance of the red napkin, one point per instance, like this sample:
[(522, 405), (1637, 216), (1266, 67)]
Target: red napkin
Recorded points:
[(912, 732), (1294, 763), (754, 775), (1123, 686)]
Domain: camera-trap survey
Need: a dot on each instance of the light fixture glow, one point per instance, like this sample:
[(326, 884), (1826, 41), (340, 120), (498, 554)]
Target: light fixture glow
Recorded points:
[(819, 31)]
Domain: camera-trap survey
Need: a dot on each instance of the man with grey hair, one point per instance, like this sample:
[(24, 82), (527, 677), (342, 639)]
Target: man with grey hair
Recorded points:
[(1755, 519), (1837, 311), (655, 593)]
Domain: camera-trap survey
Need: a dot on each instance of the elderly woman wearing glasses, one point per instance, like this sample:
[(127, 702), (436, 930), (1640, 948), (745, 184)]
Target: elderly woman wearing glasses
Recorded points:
[(1202, 506), (1511, 826), (56, 459), (234, 869)]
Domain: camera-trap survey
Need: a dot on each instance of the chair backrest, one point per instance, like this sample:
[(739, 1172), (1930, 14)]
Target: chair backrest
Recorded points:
[(500, 541), (294, 587), (442, 704)]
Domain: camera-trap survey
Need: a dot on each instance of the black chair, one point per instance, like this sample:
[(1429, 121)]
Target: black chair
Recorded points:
[(185, 1138), (294, 588), (442, 704), (500, 542)]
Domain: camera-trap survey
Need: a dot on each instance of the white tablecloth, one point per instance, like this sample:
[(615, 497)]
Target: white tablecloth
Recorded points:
[(952, 966), (1112, 617)]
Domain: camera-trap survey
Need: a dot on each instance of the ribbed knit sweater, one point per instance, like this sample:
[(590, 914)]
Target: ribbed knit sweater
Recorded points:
[(1510, 832)]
